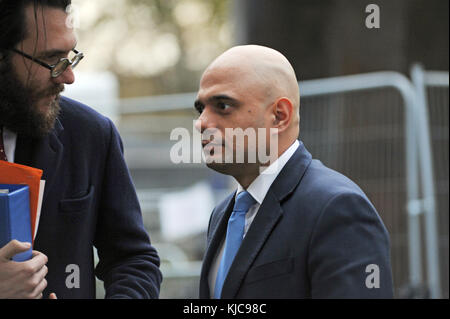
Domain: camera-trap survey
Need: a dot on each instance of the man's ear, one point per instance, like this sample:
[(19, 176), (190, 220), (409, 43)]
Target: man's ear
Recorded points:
[(283, 111)]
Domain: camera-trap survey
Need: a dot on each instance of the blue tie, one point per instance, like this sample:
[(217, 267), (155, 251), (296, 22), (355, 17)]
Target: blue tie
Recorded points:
[(235, 234)]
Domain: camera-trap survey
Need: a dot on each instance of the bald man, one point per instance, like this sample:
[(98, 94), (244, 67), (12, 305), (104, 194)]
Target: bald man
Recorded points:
[(293, 228)]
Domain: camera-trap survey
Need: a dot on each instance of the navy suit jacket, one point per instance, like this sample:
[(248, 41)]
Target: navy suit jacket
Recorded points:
[(89, 200), (316, 235)]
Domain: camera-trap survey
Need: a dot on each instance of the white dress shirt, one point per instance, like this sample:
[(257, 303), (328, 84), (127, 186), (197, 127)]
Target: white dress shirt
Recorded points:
[(258, 189), (9, 142)]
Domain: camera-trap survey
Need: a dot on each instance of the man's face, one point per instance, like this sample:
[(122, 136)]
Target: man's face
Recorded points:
[(29, 95), (230, 98)]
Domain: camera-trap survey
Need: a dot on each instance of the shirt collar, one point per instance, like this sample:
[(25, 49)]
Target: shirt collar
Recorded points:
[(9, 142), (260, 186)]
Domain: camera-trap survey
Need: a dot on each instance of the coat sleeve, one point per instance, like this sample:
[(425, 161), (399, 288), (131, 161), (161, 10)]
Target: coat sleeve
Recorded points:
[(128, 263), (349, 253)]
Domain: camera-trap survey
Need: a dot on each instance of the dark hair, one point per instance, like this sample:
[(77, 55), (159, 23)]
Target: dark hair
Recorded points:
[(12, 20)]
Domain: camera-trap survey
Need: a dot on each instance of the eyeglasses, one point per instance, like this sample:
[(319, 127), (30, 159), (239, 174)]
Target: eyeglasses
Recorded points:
[(58, 68)]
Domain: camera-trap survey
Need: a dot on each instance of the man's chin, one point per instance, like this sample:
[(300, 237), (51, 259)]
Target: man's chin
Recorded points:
[(49, 118), (232, 169), (45, 104), (43, 121), (218, 167)]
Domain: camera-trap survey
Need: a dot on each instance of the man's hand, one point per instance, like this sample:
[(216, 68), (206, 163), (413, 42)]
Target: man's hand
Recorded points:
[(22, 280)]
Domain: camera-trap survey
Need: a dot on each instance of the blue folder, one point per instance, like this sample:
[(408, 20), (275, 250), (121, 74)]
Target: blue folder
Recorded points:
[(15, 217)]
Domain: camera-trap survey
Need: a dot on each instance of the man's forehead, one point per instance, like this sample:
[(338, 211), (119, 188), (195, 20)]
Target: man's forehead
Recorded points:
[(47, 28), (231, 74), (234, 87), (218, 81)]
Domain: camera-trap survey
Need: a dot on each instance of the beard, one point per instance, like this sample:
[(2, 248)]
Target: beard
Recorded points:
[(19, 110)]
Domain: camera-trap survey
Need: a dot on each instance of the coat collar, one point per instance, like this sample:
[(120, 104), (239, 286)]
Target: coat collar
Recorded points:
[(291, 175), (268, 216)]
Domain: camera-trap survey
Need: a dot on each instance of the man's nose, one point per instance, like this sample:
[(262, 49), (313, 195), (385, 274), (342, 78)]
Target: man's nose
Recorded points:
[(198, 125), (202, 121), (67, 77)]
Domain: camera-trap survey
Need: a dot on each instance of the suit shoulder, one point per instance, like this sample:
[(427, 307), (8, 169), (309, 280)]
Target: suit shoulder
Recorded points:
[(334, 197), (322, 189), (323, 180), (82, 117)]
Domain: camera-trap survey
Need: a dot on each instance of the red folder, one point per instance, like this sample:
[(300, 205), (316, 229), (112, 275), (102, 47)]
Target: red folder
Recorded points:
[(11, 173)]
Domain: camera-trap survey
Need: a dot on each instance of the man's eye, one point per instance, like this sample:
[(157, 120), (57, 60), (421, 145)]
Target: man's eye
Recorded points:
[(52, 59), (223, 106), (199, 107)]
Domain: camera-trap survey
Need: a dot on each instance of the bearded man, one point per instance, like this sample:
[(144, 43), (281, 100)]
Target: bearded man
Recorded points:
[(89, 199)]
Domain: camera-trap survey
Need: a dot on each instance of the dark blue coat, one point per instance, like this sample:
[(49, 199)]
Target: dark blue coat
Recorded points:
[(316, 235), (89, 201)]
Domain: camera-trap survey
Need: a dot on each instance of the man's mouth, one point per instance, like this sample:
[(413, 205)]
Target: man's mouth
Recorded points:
[(50, 96), (52, 93)]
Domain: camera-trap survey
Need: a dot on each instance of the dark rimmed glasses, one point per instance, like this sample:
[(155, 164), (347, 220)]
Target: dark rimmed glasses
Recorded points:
[(58, 68)]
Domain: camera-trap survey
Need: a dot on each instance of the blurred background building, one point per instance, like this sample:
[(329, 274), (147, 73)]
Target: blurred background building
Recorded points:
[(144, 59)]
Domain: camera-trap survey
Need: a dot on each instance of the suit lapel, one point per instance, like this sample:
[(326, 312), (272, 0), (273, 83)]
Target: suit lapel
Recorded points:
[(48, 156), (217, 232), (269, 213), (24, 150)]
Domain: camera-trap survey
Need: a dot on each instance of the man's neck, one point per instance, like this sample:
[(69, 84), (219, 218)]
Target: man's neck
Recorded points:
[(246, 180), (248, 174)]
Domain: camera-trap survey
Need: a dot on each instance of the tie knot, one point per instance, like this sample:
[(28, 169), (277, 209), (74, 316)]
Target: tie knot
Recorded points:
[(243, 202)]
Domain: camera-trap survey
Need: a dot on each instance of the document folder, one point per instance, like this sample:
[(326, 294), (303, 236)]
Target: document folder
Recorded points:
[(15, 220), (15, 174)]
